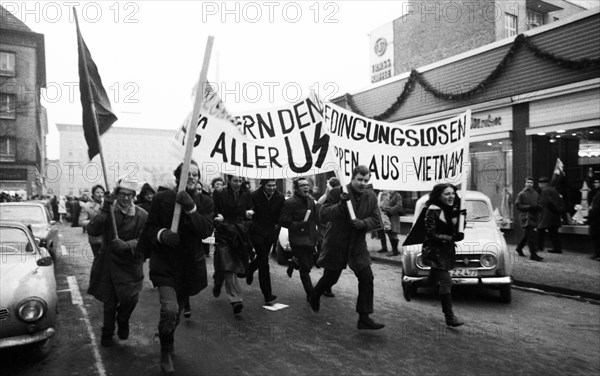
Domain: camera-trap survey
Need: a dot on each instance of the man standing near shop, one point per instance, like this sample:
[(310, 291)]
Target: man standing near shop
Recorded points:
[(299, 216), (528, 205), (266, 203), (345, 243), (552, 208), (177, 263)]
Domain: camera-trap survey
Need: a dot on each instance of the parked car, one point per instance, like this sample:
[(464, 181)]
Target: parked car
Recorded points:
[(482, 258), (37, 215), (28, 294)]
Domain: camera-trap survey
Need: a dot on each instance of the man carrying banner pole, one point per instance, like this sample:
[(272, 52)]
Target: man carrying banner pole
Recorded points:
[(177, 265), (345, 243)]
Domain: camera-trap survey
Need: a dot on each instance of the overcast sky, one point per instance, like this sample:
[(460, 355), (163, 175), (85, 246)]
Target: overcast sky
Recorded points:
[(149, 53)]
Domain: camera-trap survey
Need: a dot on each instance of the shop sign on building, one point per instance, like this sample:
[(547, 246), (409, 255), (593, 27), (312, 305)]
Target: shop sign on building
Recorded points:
[(381, 52)]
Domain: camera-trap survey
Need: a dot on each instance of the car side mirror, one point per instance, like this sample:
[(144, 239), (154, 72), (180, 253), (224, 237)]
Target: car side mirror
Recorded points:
[(44, 261)]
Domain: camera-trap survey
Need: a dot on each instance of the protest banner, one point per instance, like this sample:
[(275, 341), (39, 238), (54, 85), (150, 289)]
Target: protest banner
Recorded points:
[(400, 157)]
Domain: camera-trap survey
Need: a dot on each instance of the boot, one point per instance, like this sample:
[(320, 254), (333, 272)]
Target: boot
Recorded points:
[(535, 257), (167, 348), (123, 329), (451, 320), (407, 290), (365, 322)]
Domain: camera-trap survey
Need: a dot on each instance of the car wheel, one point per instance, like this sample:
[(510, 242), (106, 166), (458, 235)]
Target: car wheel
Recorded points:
[(41, 349), (505, 293), (281, 257)]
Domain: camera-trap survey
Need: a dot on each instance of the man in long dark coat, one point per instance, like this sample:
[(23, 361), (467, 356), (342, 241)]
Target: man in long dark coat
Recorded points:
[(117, 275), (345, 243), (553, 207), (177, 263), (528, 205)]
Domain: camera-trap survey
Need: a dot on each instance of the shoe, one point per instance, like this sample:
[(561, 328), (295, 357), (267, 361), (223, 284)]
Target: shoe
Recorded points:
[(270, 298), (315, 302), (535, 257), (237, 307), (217, 290), (393, 253), (453, 321), (520, 252), (407, 290), (554, 251), (249, 278), (290, 271), (107, 340), (368, 323), (382, 250), (329, 294), (123, 330), (166, 363)]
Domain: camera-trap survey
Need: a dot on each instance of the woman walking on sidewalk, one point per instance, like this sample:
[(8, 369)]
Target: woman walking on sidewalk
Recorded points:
[(440, 223)]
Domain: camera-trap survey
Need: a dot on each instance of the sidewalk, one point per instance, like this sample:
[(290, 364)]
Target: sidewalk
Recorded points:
[(569, 273)]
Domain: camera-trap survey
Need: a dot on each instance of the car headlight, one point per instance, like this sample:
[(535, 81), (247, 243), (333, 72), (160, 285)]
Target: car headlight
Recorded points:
[(31, 309), (488, 260)]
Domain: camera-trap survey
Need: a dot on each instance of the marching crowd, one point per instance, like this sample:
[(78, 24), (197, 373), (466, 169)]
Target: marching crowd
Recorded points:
[(132, 225)]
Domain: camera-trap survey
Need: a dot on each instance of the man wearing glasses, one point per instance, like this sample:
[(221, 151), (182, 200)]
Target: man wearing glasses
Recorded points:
[(117, 276)]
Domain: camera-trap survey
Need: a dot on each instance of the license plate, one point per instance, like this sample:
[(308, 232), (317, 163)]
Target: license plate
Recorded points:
[(463, 273)]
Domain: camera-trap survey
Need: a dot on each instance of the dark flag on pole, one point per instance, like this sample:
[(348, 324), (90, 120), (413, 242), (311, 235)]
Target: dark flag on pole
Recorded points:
[(97, 113)]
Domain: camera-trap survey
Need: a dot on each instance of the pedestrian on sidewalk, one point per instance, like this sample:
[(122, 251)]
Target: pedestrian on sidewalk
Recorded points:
[(266, 202), (529, 205), (117, 276), (553, 207), (440, 225), (177, 263), (299, 215), (390, 204), (233, 247), (345, 243), (144, 198), (333, 182), (594, 222), (88, 212)]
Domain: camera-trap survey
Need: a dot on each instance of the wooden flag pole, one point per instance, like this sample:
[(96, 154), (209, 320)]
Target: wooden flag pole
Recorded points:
[(96, 128), (191, 130), (463, 184), (345, 190)]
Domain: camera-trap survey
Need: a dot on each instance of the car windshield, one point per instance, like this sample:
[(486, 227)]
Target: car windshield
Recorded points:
[(28, 214), (477, 211), (13, 241)]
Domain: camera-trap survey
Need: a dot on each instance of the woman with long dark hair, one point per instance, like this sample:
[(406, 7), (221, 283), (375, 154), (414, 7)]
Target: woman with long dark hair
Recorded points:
[(441, 232)]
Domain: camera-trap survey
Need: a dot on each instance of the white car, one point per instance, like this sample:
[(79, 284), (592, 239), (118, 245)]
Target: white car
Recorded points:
[(482, 258)]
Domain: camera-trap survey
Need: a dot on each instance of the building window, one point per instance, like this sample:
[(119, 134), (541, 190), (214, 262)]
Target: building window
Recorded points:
[(7, 149), (510, 25), (7, 106), (534, 19), (7, 64)]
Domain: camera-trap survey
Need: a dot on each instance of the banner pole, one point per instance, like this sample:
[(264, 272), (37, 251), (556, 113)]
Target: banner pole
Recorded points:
[(345, 190), (465, 176), (95, 119), (191, 131)]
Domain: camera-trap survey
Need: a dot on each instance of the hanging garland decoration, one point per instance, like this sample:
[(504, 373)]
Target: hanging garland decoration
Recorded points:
[(520, 40)]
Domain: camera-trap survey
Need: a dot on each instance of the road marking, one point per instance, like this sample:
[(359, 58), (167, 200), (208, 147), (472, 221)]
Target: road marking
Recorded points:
[(63, 251), (78, 300)]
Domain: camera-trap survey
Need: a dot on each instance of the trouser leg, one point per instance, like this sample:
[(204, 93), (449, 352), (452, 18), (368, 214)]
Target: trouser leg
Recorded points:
[(364, 303), (125, 308), (523, 241), (169, 310), (531, 240), (109, 315), (233, 288), (381, 234), (305, 259), (262, 264), (329, 278), (393, 240), (541, 239)]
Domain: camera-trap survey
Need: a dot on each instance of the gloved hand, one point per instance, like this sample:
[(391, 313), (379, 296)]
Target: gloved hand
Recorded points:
[(119, 245), (186, 201), (458, 237), (109, 201), (359, 224), (344, 196), (170, 238)]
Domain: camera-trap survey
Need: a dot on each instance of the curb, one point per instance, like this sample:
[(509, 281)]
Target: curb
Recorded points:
[(539, 286)]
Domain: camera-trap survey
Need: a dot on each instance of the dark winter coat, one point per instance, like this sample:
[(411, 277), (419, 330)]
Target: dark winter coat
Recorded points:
[(182, 267), (112, 269), (232, 235), (552, 208), (342, 244), (438, 247), (594, 217), (528, 204), (265, 221), (391, 204), (141, 201), (300, 233)]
